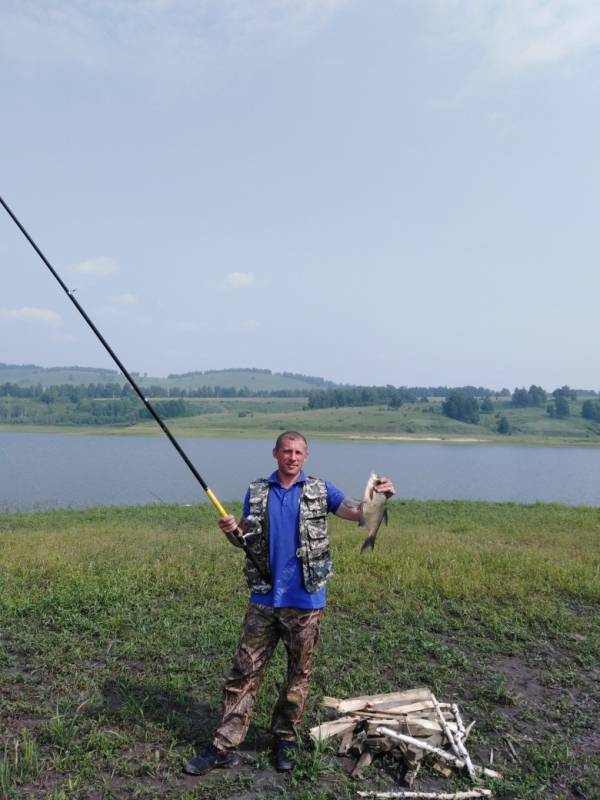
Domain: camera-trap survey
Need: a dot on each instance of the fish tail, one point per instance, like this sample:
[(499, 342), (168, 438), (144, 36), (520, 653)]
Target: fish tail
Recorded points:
[(368, 544)]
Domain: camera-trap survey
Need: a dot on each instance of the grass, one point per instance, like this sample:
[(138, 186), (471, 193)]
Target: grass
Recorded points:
[(266, 418), (117, 626)]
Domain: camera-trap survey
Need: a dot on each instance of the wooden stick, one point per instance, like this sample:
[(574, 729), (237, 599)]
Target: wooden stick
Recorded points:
[(419, 727), (415, 726), (356, 703), (446, 729), (346, 742), (431, 795), (442, 768), (334, 728), (373, 714), (511, 748), (411, 773), (456, 744), (462, 733), (363, 762), (402, 708), (458, 762), (428, 714)]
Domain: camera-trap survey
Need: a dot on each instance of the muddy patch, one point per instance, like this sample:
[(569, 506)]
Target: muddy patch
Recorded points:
[(524, 683), (589, 744)]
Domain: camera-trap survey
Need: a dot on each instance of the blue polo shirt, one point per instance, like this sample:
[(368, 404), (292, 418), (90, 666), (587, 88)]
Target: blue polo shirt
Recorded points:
[(286, 570)]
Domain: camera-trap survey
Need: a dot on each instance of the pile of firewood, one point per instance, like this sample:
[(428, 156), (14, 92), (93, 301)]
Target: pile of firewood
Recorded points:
[(408, 725)]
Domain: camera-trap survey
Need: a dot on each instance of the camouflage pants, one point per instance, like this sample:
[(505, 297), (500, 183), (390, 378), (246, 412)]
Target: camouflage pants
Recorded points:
[(262, 628)]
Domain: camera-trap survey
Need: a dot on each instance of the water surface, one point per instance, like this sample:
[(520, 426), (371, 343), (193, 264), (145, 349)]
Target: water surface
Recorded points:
[(42, 471)]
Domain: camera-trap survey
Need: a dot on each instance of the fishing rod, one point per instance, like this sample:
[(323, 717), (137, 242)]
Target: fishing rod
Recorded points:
[(239, 536)]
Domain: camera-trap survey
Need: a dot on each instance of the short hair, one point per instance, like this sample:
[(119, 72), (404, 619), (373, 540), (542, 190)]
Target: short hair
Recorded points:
[(289, 435)]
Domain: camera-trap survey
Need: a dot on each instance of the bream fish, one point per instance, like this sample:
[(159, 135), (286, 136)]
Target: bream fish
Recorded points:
[(374, 511)]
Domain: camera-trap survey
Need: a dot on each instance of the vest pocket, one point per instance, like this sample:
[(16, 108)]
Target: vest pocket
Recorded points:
[(319, 571), (314, 550), (316, 527)]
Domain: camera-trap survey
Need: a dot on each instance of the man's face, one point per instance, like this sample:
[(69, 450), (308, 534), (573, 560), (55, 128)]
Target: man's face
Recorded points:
[(290, 457)]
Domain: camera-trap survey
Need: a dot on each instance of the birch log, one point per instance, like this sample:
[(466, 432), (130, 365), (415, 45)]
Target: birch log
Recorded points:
[(458, 762), (462, 733), (456, 744), (431, 795), (446, 729)]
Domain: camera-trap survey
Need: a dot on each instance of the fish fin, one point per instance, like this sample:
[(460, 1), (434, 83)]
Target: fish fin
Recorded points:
[(362, 523), (368, 544), (385, 516)]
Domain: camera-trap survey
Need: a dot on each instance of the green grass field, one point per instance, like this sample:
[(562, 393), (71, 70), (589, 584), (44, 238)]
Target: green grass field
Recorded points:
[(117, 626), (267, 417)]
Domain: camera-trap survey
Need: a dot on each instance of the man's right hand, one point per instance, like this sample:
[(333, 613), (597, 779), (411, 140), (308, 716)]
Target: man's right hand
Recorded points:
[(228, 524)]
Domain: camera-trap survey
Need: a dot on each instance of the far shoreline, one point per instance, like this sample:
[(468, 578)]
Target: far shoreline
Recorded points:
[(149, 430)]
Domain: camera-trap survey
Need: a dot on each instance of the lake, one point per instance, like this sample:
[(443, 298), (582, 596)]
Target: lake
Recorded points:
[(44, 471)]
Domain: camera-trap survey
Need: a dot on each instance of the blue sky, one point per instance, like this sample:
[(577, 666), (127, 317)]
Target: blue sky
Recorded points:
[(390, 191)]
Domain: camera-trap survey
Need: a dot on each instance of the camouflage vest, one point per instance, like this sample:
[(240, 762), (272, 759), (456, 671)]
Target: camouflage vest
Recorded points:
[(313, 551)]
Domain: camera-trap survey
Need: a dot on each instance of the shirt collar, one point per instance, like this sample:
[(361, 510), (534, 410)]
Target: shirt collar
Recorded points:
[(273, 479)]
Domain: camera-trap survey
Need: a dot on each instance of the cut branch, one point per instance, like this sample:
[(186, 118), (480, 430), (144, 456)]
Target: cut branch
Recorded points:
[(431, 795), (459, 749), (490, 773)]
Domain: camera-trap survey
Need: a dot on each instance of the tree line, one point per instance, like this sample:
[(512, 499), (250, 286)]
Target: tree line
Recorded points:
[(536, 396), (123, 410), (115, 403), (75, 393), (360, 396), (466, 408), (392, 396)]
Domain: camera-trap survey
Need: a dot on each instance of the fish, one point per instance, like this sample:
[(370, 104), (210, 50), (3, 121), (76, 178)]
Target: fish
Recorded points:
[(374, 511)]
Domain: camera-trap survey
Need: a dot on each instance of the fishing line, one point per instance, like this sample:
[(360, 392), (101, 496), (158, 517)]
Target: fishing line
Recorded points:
[(71, 295)]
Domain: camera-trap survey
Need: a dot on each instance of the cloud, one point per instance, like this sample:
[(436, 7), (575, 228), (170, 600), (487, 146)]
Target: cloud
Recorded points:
[(249, 324), (159, 37), (125, 299), (240, 280), (41, 316), (100, 266), (262, 18), (521, 34)]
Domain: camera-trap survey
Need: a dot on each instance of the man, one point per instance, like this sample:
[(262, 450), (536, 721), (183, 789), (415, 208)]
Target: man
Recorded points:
[(285, 523)]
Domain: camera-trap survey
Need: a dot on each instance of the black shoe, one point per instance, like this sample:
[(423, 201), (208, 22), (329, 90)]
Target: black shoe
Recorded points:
[(284, 753), (210, 759)]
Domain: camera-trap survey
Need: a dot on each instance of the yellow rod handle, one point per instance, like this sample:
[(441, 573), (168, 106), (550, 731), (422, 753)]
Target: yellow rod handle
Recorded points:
[(238, 533), (213, 499)]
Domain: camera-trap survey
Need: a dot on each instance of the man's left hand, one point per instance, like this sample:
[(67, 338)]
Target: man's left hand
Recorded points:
[(386, 486)]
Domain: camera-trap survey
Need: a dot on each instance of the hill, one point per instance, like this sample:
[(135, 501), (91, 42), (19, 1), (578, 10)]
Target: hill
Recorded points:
[(31, 375), (254, 379)]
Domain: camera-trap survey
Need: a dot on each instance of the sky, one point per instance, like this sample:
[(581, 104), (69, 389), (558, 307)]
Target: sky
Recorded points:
[(394, 192)]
